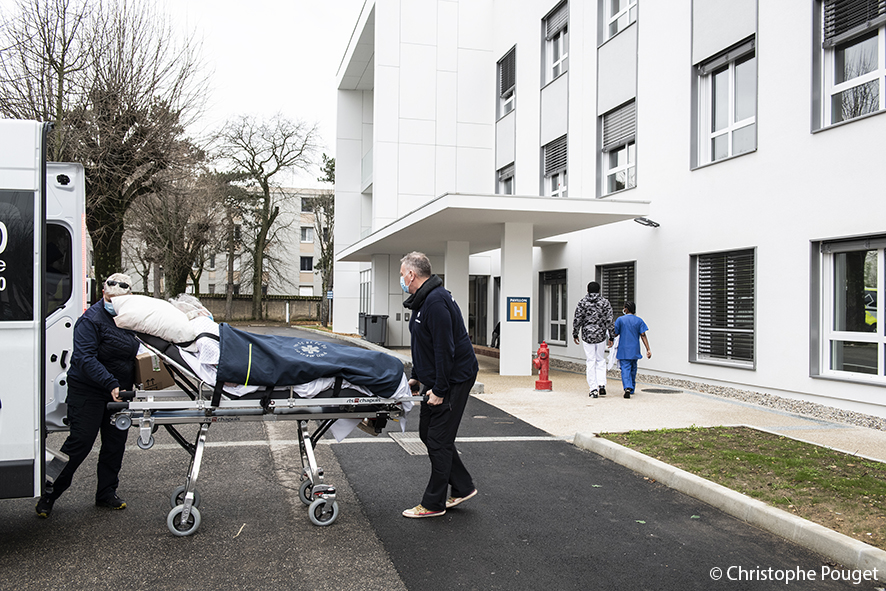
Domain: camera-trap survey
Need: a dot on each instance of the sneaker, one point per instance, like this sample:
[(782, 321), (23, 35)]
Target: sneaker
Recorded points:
[(114, 502), (593, 394), (455, 501), (628, 393), (368, 426), (44, 506), (418, 512), (602, 390)]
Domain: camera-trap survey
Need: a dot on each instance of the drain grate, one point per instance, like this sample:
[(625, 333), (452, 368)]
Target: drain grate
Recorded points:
[(661, 391), (410, 442)]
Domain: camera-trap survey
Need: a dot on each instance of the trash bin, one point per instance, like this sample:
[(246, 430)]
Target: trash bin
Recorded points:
[(376, 328)]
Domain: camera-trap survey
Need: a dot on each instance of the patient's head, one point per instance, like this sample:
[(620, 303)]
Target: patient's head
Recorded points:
[(190, 305)]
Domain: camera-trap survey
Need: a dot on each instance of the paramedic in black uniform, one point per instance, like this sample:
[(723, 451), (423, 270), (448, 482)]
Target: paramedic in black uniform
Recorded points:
[(102, 364), (443, 362)]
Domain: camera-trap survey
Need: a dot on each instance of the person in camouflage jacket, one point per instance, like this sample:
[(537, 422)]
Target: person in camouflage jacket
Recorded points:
[(593, 321)]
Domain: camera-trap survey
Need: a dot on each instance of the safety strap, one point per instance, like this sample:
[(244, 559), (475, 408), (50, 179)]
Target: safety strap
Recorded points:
[(336, 389), (202, 335)]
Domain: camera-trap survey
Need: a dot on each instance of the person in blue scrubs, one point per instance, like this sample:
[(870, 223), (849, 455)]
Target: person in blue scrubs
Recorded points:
[(632, 330)]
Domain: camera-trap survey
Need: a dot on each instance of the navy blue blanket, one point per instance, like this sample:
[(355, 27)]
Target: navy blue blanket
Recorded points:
[(271, 360)]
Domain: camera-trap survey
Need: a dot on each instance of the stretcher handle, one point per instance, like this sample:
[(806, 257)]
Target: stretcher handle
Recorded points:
[(126, 395), (118, 405)]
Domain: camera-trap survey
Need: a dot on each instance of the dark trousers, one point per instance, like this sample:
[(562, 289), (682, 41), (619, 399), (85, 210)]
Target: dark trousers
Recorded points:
[(438, 426), (88, 417)]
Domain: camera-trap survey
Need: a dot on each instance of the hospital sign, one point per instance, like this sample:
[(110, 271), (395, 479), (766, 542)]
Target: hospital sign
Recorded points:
[(518, 309)]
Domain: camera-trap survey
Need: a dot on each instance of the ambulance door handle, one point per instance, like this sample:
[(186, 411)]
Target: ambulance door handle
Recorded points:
[(63, 361)]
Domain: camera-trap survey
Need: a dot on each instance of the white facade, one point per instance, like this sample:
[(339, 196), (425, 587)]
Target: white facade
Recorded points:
[(753, 144)]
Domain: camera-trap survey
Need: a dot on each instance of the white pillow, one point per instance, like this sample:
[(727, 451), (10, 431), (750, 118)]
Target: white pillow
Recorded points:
[(154, 317)]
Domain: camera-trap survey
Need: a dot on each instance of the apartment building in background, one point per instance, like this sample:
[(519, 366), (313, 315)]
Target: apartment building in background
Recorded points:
[(295, 248), (719, 162)]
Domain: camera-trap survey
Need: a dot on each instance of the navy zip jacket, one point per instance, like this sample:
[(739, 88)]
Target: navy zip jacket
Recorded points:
[(103, 356), (442, 353)]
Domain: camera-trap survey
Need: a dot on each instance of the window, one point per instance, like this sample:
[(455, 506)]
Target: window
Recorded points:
[(59, 286), (307, 234), (365, 291), (554, 306), (852, 344), (211, 288), (619, 149), (307, 205), (307, 264), (617, 285), (555, 158), (556, 42), (727, 104), (619, 14), (506, 180), (507, 75), (724, 308), (854, 59), (306, 290)]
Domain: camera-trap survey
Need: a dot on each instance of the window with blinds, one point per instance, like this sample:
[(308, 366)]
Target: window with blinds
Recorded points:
[(725, 307), (556, 29), (843, 19), (507, 79), (617, 285), (555, 155), (619, 126)]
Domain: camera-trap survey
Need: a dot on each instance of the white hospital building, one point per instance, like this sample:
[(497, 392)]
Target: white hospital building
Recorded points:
[(719, 162)]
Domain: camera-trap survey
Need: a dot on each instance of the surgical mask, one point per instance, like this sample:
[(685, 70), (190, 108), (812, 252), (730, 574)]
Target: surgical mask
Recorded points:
[(403, 284), (109, 307)]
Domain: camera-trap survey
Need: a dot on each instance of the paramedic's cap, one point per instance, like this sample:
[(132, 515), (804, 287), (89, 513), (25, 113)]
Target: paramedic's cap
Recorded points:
[(114, 285)]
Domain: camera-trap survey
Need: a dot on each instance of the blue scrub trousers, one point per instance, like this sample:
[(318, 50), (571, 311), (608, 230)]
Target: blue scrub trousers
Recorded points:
[(628, 373)]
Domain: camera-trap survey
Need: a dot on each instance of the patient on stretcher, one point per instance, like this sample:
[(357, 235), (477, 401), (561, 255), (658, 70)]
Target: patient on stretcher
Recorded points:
[(246, 362)]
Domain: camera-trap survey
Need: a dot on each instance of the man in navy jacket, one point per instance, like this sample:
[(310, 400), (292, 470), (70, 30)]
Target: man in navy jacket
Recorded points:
[(444, 365)]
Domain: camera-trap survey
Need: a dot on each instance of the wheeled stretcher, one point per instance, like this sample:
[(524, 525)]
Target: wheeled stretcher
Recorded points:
[(326, 400)]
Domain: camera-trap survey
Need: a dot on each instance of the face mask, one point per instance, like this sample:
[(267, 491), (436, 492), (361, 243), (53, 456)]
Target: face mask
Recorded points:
[(109, 307), (403, 284)]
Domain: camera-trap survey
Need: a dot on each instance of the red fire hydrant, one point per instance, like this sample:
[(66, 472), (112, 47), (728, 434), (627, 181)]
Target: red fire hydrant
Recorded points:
[(542, 362)]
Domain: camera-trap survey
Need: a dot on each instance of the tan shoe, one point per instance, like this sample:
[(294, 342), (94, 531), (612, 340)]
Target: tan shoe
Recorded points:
[(455, 501), (418, 512)]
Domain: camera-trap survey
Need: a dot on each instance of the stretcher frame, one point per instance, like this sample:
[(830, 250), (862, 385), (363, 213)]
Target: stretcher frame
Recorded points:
[(149, 409)]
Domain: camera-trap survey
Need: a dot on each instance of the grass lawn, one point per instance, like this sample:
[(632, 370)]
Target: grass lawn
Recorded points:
[(839, 491)]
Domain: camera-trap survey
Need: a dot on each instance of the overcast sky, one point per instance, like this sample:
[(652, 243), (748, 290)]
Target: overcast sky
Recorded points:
[(272, 56), (269, 56)]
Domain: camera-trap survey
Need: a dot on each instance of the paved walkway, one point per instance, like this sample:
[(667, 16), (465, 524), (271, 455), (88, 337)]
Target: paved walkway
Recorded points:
[(567, 410)]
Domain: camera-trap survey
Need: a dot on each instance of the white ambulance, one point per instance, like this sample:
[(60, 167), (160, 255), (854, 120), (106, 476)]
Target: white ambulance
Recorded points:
[(43, 290)]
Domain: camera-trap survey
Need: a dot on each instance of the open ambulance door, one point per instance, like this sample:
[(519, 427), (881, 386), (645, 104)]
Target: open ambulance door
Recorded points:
[(22, 378), (65, 284)]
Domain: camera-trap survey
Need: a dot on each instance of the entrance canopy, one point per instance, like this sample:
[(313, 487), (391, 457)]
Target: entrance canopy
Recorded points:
[(480, 219)]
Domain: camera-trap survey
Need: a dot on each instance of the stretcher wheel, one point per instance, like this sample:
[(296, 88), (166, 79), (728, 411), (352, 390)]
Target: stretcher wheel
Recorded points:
[(322, 512), (304, 492), (178, 497), (175, 525), (123, 422), (144, 445)]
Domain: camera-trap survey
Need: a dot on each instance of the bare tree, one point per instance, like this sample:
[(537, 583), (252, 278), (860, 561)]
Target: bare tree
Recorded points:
[(122, 87), (45, 62), (177, 221), (324, 228), (259, 151)]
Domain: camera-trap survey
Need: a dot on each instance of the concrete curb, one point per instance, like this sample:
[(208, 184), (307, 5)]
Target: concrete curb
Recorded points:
[(847, 551)]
